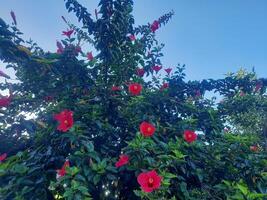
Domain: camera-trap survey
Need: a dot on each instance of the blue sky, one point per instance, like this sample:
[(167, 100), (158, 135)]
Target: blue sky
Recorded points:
[(211, 37)]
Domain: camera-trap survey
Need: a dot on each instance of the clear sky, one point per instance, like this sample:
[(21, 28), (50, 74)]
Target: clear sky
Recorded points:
[(212, 37)]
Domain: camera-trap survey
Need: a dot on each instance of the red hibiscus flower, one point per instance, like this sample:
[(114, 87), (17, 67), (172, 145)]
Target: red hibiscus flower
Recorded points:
[(115, 88), (78, 49), (154, 26), (48, 98), (258, 87), (135, 88), (5, 101), (3, 157), (90, 56), (242, 94), (254, 148), (164, 86), (147, 129), (168, 70), (62, 172), (132, 37), (124, 159), (65, 119), (67, 33), (190, 136), (140, 72), (156, 68), (198, 93), (4, 75), (149, 181), (60, 48), (13, 17)]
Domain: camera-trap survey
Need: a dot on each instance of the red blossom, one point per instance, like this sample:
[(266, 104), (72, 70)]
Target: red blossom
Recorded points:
[(13, 17), (67, 33), (3, 157), (242, 94), (149, 181), (156, 68), (132, 37), (5, 101), (164, 86), (135, 88), (140, 72), (60, 48), (154, 26), (115, 88), (168, 70), (147, 129), (48, 98), (65, 119), (62, 172), (124, 159), (254, 148), (59, 51), (78, 49), (90, 56), (190, 136), (258, 87), (198, 93), (4, 74)]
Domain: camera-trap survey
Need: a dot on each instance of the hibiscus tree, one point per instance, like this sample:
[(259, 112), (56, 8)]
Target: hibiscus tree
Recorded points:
[(99, 129)]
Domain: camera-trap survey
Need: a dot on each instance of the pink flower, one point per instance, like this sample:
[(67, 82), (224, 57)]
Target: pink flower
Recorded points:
[(90, 56), (140, 72), (124, 159), (154, 26), (67, 33), (156, 68), (149, 181), (4, 75), (13, 17), (168, 70), (3, 157), (132, 37)]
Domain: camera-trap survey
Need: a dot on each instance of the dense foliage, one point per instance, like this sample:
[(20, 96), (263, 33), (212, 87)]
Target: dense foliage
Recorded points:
[(111, 123)]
